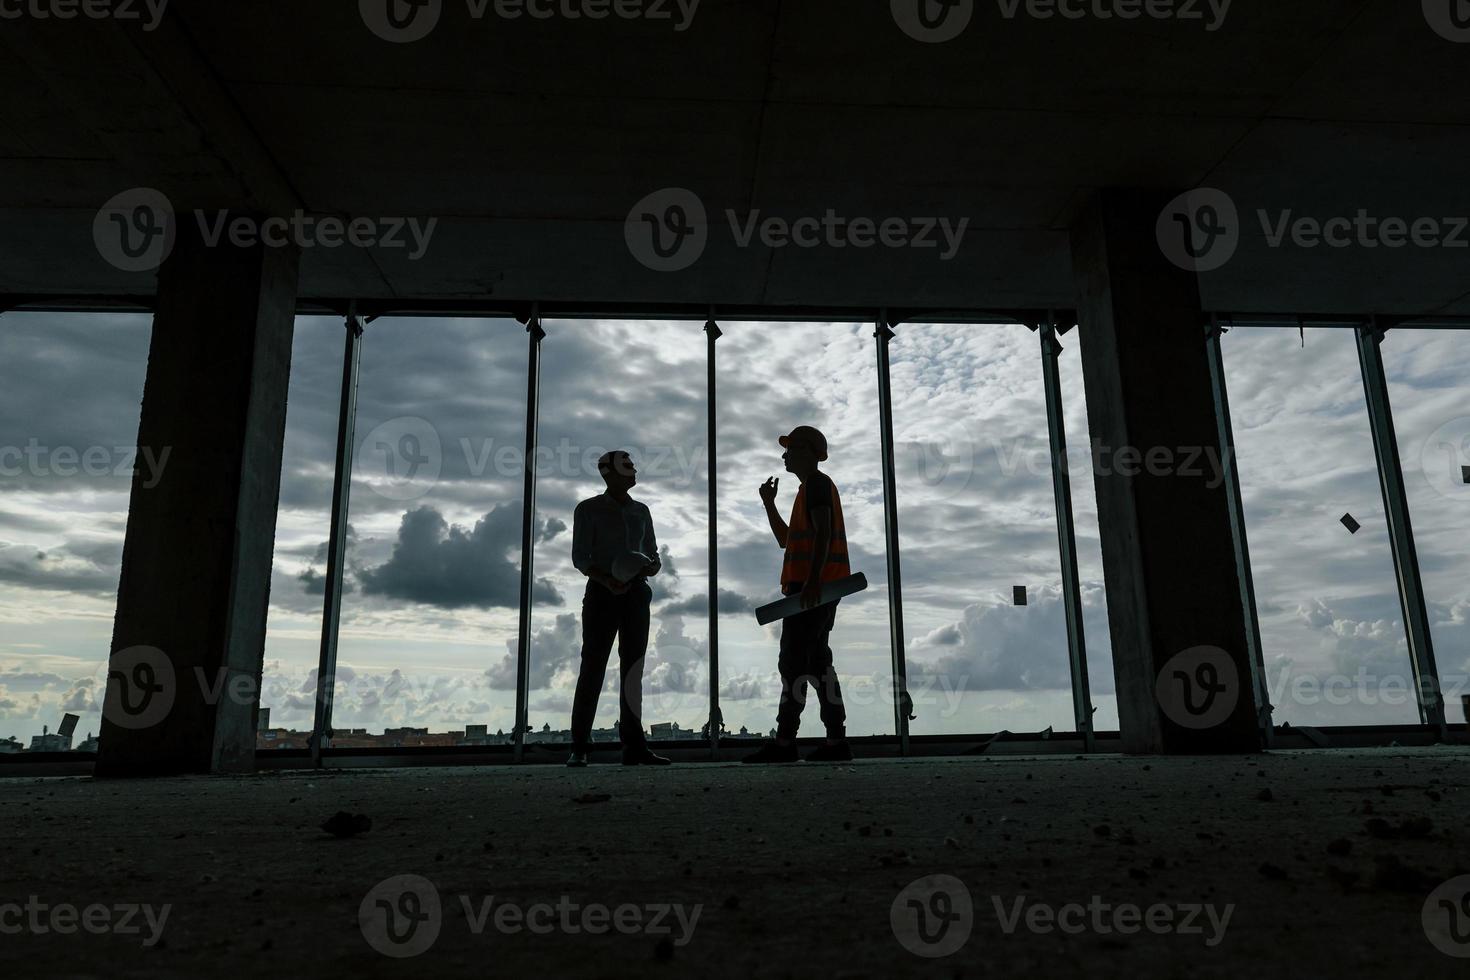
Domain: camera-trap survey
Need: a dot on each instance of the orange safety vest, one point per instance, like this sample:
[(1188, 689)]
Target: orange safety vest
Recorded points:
[(801, 540)]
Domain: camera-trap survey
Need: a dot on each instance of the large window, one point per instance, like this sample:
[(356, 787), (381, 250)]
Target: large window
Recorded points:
[(428, 638), (1080, 465), (982, 587), (294, 626), (70, 393), (1426, 377), (640, 387), (1331, 626), (772, 378), (430, 608)]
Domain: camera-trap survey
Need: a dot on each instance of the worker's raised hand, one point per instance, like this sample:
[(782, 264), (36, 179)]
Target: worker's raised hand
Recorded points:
[(768, 490)]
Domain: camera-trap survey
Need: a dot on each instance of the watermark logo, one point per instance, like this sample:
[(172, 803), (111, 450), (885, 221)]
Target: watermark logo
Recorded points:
[(941, 455), (1104, 918), (1210, 13), (401, 21), (40, 918), (401, 916), (307, 231), (1198, 688), (933, 917), (402, 458), (1446, 917), (933, 21), (407, 21), (1449, 18), (1199, 230), (667, 231), (1444, 459), (136, 230), (148, 12), (141, 686), (1363, 230), (36, 459)]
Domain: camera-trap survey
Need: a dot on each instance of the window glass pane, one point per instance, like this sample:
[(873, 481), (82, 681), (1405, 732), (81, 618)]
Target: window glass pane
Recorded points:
[(773, 377), (637, 386), (977, 525), (1080, 465), (71, 388), (429, 615), (1427, 373), (1331, 625), (308, 463)]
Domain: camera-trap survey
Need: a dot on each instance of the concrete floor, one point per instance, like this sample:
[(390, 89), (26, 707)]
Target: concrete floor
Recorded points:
[(796, 869)]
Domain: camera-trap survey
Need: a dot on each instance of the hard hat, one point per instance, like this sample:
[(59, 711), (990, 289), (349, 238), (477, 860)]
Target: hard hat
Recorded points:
[(809, 435)]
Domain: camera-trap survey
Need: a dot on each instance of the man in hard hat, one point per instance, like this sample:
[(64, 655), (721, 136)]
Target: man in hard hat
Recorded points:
[(815, 540), (614, 546)]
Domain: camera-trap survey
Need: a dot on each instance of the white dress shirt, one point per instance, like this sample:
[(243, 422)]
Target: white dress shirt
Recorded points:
[(604, 530)]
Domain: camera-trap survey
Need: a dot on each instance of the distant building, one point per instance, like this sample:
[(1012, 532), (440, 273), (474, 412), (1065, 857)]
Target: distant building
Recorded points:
[(10, 745), (280, 738), (48, 741)]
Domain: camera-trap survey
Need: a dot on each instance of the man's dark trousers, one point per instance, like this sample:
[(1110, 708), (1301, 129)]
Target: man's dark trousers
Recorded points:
[(606, 617), (806, 658)]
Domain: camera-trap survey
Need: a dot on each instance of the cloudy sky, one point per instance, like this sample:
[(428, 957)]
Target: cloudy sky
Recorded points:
[(428, 632)]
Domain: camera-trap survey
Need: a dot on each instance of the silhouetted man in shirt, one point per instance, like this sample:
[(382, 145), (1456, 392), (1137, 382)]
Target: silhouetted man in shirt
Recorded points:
[(605, 531), (816, 552)]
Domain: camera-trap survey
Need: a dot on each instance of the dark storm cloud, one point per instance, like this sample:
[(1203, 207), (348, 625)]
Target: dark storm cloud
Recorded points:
[(72, 381), (441, 564), (731, 603), (57, 569)]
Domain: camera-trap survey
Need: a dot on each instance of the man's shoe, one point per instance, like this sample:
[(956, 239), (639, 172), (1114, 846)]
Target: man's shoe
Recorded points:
[(577, 760), (644, 757), (772, 752), (830, 752)]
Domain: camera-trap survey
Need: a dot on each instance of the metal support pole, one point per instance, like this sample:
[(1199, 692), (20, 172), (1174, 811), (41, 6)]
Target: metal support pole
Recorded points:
[(1061, 480), (716, 719), (1400, 529), (326, 672), (1236, 505), (528, 539), (902, 703)]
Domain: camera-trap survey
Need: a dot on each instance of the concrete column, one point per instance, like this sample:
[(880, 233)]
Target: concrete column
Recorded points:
[(1180, 654), (189, 634)]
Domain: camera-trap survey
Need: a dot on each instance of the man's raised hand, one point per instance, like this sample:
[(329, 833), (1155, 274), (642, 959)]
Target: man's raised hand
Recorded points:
[(768, 490)]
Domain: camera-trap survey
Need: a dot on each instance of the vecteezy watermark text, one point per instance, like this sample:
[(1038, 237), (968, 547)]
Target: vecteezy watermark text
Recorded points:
[(403, 916), (407, 21), (137, 229), (934, 917), (39, 460), (1209, 13), (39, 918), (1104, 918), (668, 231), (937, 21), (147, 12), (1201, 230)]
